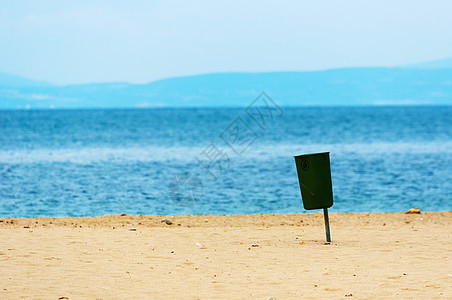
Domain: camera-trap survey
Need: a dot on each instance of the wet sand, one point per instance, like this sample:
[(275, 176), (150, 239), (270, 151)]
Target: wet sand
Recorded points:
[(372, 255)]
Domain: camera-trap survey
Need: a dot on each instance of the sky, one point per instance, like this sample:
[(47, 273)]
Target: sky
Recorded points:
[(72, 42)]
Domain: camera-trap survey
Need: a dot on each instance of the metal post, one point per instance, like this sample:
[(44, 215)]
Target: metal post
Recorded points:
[(327, 225)]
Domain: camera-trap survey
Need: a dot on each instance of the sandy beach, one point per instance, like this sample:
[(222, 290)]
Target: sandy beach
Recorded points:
[(372, 255)]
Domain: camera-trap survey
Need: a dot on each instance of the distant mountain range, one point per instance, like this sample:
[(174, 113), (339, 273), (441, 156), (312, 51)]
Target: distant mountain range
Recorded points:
[(420, 84), (436, 64)]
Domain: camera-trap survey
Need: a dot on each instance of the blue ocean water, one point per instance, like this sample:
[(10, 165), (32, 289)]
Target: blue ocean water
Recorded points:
[(96, 162)]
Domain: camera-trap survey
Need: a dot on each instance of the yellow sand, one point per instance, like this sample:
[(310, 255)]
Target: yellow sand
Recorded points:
[(378, 255)]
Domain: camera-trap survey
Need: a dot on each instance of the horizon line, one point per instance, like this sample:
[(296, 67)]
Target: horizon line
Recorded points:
[(408, 66)]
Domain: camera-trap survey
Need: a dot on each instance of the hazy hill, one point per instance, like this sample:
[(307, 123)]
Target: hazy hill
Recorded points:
[(352, 86), (436, 64), (8, 80)]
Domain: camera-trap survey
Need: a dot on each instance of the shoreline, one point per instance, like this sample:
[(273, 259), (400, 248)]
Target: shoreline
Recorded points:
[(210, 220), (372, 255)]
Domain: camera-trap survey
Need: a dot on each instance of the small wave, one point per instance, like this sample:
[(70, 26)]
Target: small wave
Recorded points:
[(92, 154), (169, 154)]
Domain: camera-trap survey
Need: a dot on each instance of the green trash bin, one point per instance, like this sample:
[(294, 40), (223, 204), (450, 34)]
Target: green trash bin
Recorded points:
[(314, 177)]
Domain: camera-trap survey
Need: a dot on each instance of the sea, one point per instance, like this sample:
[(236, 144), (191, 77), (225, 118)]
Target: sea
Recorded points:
[(171, 161)]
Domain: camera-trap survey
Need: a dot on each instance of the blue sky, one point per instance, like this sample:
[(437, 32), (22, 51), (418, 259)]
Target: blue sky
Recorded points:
[(140, 41)]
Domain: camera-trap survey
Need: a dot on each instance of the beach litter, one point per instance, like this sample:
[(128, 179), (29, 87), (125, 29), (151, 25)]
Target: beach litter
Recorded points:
[(414, 211), (201, 246), (167, 222)]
